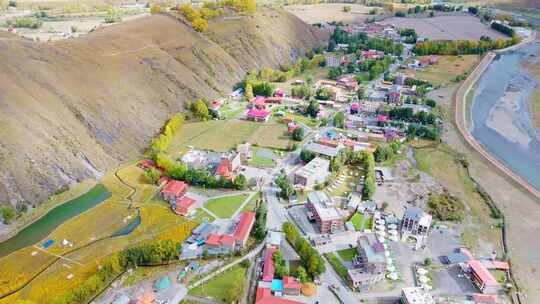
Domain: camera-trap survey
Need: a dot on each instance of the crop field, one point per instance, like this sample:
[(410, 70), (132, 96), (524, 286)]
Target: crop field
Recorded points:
[(314, 13), (271, 135), (226, 206), (221, 285), (447, 69), (457, 27)]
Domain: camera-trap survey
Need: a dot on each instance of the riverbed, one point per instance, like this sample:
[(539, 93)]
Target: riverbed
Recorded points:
[(500, 114)]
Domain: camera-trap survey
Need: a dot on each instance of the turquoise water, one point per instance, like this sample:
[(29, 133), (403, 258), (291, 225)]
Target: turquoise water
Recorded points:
[(40, 229)]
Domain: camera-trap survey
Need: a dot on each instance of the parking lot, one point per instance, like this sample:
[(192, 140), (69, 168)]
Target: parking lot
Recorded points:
[(299, 214), (452, 281)]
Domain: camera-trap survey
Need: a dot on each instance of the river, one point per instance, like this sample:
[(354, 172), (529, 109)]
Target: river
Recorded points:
[(41, 228), (500, 119)]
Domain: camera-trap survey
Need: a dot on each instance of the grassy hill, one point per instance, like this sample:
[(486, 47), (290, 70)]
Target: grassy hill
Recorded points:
[(73, 109)]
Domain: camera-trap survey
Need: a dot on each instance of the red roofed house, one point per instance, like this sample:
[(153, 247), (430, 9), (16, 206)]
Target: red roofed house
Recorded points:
[(482, 278), (264, 296), (328, 142), (174, 190), (382, 118), (348, 82), (219, 244), (291, 286), (268, 265), (291, 127), (483, 299), (241, 233), (355, 108), (224, 169), (500, 265), (258, 115), (279, 93), (185, 206), (258, 102), (147, 298), (394, 97), (274, 99), (147, 164)]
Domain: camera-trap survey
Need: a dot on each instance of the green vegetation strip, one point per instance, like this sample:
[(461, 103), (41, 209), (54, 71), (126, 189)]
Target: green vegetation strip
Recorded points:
[(337, 265), (226, 287)]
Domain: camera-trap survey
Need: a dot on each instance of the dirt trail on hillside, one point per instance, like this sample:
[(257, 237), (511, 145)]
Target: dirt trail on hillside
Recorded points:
[(108, 93)]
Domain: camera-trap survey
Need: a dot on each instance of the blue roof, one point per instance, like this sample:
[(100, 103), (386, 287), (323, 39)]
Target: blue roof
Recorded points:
[(277, 285), (162, 283), (47, 244)]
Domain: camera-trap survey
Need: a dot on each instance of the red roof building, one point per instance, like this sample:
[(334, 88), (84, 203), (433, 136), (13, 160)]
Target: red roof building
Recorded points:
[(241, 233), (220, 243), (258, 102), (147, 164), (382, 118), (174, 190), (274, 99), (482, 278), (291, 127), (185, 206), (291, 285), (258, 115), (264, 296), (328, 142), (223, 169), (279, 93), (485, 299), (268, 266)]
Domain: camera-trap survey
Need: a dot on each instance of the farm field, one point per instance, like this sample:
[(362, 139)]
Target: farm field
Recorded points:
[(457, 27), (271, 135), (447, 69), (314, 13), (226, 206), (260, 159)]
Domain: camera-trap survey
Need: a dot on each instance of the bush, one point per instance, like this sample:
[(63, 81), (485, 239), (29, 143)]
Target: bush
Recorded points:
[(339, 120), (200, 25), (298, 134), (8, 214), (400, 14), (347, 8), (29, 22), (156, 9), (112, 16), (306, 156), (446, 207), (310, 258)]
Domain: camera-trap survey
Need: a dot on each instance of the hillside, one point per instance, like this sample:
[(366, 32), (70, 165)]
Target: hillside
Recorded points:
[(76, 108)]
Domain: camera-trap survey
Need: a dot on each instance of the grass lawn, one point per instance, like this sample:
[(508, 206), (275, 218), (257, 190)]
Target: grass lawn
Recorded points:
[(448, 68), (499, 275), (310, 122), (224, 207), (441, 162), (260, 161), (361, 221), (344, 188), (219, 286), (252, 202), (271, 135), (536, 110), (347, 254), (337, 265)]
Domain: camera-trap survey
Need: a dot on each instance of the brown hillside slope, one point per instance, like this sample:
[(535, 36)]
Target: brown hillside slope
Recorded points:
[(73, 109)]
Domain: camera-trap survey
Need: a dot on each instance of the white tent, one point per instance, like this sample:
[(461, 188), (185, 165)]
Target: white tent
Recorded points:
[(381, 233), (423, 279), (380, 227), (392, 226), (380, 222), (393, 238), (392, 232), (386, 253), (392, 276), (391, 268)]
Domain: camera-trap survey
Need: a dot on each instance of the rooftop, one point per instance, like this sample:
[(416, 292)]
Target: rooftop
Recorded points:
[(374, 249), (244, 226), (315, 166), (483, 273), (418, 215), (174, 187), (417, 295), (322, 149)]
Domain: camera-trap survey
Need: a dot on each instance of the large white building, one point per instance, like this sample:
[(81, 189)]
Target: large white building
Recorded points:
[(416, 295), (315, 172), (322, 210), (415, 224)]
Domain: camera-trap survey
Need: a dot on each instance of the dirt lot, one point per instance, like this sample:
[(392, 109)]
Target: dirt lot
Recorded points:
[(329, 12), (447, 27), (448, 68)]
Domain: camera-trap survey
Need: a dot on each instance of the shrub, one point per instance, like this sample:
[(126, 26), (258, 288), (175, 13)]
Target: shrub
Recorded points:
[(156, 9), (29, 22), (112, 16), (8, 214), (200, 25), (298, 134), (446, 207)]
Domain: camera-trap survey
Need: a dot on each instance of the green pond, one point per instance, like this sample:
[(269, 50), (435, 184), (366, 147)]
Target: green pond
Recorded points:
[(41, 228)]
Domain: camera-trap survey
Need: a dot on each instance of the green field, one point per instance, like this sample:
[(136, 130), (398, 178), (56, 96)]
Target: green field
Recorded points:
[(347, 254), (260, 161), (361, 221), (337, 265), (252, 202), (224, 287), (225, 207), (448, 68)]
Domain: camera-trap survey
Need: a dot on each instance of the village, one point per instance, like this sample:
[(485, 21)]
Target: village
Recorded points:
[(307, 190)]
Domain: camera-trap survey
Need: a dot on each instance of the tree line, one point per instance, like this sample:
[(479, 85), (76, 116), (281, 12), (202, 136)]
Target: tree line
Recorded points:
[(462, 47), (310, 258)]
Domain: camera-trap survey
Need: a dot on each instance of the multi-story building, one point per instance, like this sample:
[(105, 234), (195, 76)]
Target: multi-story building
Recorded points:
[(416, 295), (369, 263), (321, 209), (315, 172), (415, 224)]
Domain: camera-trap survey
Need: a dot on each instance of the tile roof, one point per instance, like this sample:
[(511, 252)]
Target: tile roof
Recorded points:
[(258, 113), (264, 296), (268, 266), (291, 283), (174, 187), (244, 226), (182, 207), (483, 273)]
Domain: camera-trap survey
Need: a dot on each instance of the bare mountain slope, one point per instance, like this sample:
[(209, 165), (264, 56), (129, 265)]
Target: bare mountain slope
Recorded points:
[(73, 109)]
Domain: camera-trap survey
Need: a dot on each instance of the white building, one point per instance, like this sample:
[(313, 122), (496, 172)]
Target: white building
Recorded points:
[(194, 159), (416, 295), (415, 224), (315, 172)]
